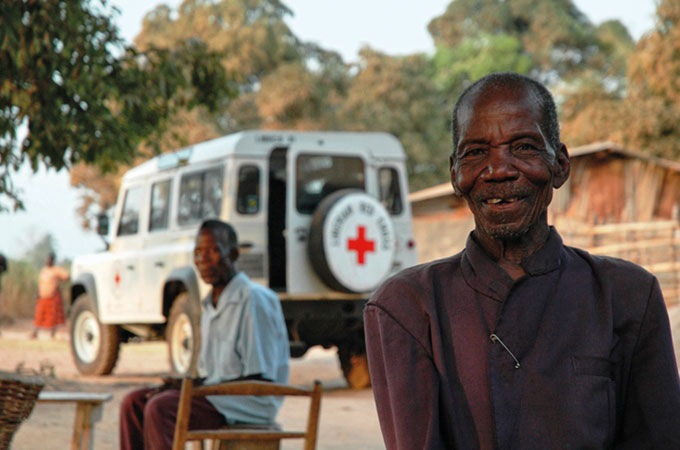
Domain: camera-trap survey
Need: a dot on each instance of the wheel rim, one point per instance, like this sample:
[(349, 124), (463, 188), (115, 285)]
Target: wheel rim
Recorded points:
[(86, 337), (182, 343)]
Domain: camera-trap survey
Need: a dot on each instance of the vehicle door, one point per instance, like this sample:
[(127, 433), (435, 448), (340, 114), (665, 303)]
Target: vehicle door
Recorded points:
[(124, 276), (248, 215), (156, 256), (201, 195), (392, 189), (314, 172)]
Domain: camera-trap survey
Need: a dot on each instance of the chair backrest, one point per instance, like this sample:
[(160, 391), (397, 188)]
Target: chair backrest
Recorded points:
[(246, 433)]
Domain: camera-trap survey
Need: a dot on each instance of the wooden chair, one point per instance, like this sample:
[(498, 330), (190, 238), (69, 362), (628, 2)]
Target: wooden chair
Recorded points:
[(246, 436)]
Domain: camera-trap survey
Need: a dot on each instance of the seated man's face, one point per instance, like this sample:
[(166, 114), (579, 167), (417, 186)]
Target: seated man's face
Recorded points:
[(504, 166), (212, 260)]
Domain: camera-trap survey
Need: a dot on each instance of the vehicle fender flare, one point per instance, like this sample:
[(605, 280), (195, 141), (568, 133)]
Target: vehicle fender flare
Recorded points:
[(85, 282), (187, 276)]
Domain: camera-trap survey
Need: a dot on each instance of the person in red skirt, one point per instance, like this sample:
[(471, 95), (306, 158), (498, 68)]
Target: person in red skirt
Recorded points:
[(49, 311)]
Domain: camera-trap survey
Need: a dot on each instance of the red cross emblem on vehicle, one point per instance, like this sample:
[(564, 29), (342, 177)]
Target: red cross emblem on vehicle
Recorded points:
[(361, 245), (117, 278)]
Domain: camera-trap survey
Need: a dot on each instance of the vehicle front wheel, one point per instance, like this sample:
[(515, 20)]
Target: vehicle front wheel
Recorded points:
[(183, 336), (94, 346)]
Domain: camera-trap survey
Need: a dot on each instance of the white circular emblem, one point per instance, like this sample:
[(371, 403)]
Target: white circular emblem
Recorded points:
[(358, 241)]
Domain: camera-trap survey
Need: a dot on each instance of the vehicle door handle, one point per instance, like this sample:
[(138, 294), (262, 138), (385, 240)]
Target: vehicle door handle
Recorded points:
[(130, 267), (246, 244), (159, 264)]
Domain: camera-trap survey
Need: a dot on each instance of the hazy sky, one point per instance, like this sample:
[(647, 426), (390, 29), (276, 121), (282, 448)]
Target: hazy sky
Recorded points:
[(392, 26)]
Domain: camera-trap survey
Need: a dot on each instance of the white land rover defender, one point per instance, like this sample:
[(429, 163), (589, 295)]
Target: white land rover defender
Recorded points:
[(322, 219)]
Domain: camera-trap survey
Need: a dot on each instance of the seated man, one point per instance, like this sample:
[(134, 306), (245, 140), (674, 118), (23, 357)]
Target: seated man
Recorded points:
[(243, 336)]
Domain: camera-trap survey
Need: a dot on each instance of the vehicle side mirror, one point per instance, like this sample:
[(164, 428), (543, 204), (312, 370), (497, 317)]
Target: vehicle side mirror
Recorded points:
[(102, 224)]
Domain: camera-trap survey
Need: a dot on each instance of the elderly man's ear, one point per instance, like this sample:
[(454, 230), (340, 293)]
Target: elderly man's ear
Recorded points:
[(562, 166), (456, 191)]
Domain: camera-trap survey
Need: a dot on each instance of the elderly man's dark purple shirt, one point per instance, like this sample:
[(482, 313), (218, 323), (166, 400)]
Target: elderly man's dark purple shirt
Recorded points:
[(582, 355)]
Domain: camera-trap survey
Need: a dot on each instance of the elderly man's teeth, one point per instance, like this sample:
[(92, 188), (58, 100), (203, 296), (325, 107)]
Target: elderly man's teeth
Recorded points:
[(495, 201)]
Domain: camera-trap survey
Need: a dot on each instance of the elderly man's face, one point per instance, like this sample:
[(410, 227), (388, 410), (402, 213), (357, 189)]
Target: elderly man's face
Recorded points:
[(504, 166)]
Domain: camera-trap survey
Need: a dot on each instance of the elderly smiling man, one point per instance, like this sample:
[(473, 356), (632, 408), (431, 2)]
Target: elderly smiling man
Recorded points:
[(518, 341)]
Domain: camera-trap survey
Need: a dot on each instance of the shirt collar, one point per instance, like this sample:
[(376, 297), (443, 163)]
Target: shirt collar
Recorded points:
[(225, 297), (483, 274)]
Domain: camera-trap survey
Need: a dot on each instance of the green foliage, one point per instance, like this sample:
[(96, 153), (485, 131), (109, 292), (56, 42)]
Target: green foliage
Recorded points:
[(19, 284), (396, 95), (646, 114), (456, 67), (38, 252), (559, 38), (87, 102), (19, 290), (66, 96)]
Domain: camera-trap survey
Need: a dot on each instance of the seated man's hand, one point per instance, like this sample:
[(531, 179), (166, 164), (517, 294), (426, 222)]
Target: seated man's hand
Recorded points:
[(172, 382)]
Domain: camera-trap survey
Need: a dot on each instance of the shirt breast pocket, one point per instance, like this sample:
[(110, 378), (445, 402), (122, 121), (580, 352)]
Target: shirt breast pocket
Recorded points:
[(595, 380), (591, 365)]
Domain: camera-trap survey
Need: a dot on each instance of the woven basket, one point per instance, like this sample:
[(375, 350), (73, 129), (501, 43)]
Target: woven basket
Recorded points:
[(18, 394)]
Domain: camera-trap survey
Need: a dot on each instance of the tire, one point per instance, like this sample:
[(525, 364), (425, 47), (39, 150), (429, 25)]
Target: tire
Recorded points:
[(354, 368), (94, 346), (183, 336), (351, 241)]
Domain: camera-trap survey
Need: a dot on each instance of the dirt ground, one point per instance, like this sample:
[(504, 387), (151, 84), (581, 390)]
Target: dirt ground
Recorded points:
[(348, 417)]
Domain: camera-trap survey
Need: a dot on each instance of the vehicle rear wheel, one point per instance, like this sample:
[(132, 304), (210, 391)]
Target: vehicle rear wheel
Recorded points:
[(183, 336), (94, 346), (354, 367)]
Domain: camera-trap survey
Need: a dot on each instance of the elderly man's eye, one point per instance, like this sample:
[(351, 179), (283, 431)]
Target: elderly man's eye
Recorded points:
[(472, 151), (524, 147)]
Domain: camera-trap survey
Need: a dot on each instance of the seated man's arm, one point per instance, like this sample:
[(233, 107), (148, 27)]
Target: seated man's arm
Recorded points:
[(405, 383), (263, 342)]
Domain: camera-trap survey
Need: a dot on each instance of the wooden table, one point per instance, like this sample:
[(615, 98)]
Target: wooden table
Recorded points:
[(88, 412)]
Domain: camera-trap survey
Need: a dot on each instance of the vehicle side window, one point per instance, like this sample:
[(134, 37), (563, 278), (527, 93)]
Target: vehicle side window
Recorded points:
[(129, 217), (160, 205), (390, 192), (200, 196), (248, 192), (318, 176)]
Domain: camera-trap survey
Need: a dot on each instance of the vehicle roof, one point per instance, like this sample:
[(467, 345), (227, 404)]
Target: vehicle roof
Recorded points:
[(259, 143)]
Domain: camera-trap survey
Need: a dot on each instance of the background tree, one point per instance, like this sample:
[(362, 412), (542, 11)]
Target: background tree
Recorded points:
[(39, 249), (653, 107), (251, 36), (281, 82), (645, 115), (70, 92), (93, 109), (396, 95), (20, 283), (476, 56), (554, 35)]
